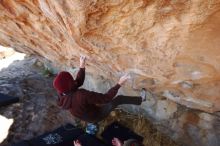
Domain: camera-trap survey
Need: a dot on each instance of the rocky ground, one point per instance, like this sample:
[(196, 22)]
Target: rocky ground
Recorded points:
[(139, 124), (37, 112)]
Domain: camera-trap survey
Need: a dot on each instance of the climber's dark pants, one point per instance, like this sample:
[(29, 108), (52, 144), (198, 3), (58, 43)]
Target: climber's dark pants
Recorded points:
[(118, 100)]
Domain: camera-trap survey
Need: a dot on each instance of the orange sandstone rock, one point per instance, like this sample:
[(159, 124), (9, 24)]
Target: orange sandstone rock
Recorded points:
[(170, 47)]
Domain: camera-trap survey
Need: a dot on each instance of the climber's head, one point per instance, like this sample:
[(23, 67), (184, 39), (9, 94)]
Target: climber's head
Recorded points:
[(63, 82)]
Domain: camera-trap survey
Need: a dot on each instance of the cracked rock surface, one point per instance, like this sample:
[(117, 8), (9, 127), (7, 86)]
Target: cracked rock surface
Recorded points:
[(170, 47), (37, 112)]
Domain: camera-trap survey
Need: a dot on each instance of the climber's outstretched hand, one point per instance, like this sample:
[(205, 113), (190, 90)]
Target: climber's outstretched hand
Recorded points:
[(123, 79), (82, 61)]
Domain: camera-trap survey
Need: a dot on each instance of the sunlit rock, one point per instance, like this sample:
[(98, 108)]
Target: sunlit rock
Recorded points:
[(4, 127)]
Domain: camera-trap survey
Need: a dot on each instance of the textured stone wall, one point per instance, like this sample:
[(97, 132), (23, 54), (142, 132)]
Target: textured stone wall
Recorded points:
[(170, 47)]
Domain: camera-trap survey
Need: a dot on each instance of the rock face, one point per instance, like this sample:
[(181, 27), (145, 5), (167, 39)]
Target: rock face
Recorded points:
[(169, 47), (37, 111)]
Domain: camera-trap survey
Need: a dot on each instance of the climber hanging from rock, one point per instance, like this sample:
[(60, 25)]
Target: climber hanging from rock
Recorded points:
[(88, 105)]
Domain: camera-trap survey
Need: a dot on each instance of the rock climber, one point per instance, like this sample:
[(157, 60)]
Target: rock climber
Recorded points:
[(87, 105)]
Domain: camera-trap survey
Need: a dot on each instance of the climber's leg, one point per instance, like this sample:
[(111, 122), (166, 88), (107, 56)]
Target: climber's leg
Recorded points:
[(105, 111), (121, 99), (118, 100), (136, 100)]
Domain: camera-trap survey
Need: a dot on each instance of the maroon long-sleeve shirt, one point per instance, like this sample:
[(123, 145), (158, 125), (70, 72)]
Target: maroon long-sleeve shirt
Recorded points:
[(83, 103)]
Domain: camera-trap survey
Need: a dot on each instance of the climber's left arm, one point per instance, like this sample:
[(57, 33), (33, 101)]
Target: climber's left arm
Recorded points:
[(81, 74)]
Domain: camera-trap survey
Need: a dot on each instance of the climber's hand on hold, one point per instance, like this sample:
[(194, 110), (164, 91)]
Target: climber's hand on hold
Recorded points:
[(123, 79), (82, 61)]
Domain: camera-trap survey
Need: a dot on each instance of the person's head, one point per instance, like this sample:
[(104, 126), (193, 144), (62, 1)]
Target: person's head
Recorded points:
[(63, 82)]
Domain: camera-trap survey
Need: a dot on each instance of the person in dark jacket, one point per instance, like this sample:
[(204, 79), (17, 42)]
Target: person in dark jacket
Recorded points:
[(87, 105)]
